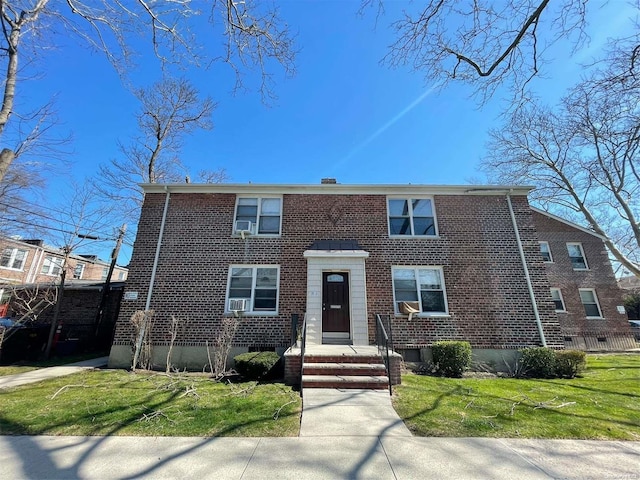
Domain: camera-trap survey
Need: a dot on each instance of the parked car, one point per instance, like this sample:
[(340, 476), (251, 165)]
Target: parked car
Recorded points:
[(7, 322), (635, 328), (21, 341)]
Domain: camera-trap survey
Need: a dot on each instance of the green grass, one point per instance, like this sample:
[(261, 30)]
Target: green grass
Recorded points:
[(123, 403), (13, 369), (603, 404)]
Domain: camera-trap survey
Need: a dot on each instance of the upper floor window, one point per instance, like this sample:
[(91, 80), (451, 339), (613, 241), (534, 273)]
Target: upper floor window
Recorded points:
[(411, 217), (545, 251), (576, 255), (105, 273), (556, 296), (13, 258), (263, 215), (589, 300), (121, 275), (256, 285), (51, 265), (78, 271), (419, 288)]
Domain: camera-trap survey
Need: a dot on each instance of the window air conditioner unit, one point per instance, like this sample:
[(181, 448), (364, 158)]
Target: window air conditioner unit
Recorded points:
[(244, 227), (237, 304)]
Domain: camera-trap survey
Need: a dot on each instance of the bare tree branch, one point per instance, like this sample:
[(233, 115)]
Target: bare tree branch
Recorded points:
[(582, 157), (484, 43)]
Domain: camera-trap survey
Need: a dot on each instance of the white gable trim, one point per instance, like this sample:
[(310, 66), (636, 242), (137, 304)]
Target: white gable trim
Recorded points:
[(334, 189), (567, 222)]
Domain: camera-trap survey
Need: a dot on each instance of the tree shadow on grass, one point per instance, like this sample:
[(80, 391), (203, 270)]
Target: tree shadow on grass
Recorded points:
[(38, 462)]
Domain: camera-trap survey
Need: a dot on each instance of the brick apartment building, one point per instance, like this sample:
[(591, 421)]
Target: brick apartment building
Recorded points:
[(587, 297), (445, 262), (31, 261)]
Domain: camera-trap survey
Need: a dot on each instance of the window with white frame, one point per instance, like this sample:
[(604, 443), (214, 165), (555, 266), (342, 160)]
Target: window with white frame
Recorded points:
[(51, 265), (13, 258), (257, 285), (545, 251), (121, 276), (576, 255), (263, 213), (589, 300), (419, 286), (556, 295), (411, 217), (105, 273), (78, 271)]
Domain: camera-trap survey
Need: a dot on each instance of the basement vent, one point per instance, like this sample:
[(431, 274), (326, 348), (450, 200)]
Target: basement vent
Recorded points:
[(568, 339), (602, 339)]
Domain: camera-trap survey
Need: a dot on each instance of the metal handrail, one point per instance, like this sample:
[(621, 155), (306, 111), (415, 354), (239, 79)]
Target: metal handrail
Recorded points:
[(382, 337), (303, 345)]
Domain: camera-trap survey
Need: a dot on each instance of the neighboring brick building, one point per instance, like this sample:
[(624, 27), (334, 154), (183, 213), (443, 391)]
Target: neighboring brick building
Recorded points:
[(588, 300), (31, 261), (342, 254)]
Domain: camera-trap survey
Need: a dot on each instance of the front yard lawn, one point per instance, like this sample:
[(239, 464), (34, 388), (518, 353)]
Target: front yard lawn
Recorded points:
[(603, 404), (123, 403)]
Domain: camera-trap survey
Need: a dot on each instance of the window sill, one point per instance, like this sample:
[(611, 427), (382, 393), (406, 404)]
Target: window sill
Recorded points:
[(257, 235), (251, 314), (594, 318), (561, 311), (418, 237), (13, 269), (423, 315), (581, 269)]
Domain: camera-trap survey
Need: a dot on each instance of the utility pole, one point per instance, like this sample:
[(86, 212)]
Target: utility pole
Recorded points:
[(56, 311), (107, 283)]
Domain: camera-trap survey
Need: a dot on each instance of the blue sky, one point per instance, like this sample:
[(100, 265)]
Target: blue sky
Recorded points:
[(343, 115)]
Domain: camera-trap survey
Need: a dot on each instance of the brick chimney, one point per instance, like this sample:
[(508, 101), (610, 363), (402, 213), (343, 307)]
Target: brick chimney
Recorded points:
[(328, 181)]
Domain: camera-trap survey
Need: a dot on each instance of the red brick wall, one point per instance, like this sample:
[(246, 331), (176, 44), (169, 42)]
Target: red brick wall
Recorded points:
[(92, 271), (600, 277), (488, 299)]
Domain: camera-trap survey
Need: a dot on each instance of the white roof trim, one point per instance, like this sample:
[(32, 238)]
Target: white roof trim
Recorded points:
[(333, 189), (571, 224)]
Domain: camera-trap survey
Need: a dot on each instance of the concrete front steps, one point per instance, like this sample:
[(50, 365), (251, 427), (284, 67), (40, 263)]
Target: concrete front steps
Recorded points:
[(344, 367)]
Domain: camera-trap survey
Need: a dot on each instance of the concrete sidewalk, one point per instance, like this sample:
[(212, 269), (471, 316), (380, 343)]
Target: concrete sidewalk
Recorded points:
[(33, 376), (390, 457)]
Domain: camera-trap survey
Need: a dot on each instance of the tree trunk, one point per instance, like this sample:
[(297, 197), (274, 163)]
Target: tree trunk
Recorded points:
[(6, 157)]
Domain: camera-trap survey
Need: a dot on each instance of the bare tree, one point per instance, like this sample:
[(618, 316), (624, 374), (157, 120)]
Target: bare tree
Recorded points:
[(169, 111), (82, 217), (252, 33), (583, 157), (482, 42)]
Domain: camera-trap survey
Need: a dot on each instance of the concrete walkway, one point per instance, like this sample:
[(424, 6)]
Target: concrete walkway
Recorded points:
[(349, 412), (388, 457), (33, 376)]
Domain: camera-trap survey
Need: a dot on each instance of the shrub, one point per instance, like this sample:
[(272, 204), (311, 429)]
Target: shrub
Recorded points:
[(256, 365), (569, 363), (538, 362), (451, 358)]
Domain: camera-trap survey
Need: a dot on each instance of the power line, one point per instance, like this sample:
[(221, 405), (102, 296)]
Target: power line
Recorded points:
[(50, 228), (55, 210)]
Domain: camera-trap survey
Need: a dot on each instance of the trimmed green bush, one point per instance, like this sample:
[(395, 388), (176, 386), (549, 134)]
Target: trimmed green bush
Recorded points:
[(570, 362), (451, 358), (538, 362), (256, 365)]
